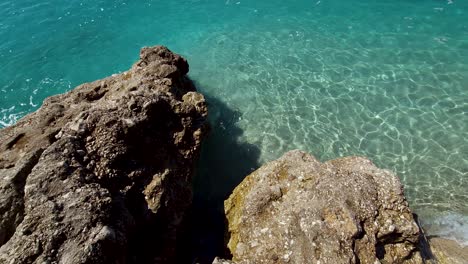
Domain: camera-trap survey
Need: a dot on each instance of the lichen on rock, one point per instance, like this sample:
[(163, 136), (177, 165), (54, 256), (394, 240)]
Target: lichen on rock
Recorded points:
[(102, 174), (299, 210)]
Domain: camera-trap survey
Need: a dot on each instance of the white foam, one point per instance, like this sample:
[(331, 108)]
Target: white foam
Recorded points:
[(8, 116), (452, 226)]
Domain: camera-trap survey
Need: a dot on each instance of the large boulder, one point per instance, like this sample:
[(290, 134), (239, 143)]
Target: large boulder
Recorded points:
[(299, 210), (102, 174)]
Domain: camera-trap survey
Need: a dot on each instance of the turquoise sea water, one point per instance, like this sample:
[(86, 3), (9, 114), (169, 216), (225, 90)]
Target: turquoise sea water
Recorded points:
[(384, 79)]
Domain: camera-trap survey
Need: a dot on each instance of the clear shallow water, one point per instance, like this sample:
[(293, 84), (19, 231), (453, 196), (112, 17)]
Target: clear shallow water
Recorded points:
[(383, 79)]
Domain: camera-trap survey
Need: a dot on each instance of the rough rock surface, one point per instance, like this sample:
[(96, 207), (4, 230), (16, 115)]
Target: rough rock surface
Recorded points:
[(299, 210), (448, 252), (102, 174)]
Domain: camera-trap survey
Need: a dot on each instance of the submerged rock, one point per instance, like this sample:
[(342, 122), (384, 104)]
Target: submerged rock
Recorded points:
[(448, 251), (299, 210), (102, 174)]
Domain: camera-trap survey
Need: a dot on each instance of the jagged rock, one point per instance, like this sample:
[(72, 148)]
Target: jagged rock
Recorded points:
[(299, 210), (221, 261), (102, 174)]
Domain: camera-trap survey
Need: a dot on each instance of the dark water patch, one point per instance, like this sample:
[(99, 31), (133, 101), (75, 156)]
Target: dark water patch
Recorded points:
[(224, 163)]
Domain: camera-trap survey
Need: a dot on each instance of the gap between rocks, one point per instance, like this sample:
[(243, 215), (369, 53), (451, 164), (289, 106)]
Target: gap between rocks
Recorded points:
[(223, 164)]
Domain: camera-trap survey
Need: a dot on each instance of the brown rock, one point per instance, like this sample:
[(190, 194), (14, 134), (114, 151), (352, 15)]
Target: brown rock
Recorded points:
[(299, 210), (448, 251), (102, 174)]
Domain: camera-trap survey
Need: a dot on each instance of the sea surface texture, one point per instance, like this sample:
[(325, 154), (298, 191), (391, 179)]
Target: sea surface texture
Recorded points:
[(386, 79)]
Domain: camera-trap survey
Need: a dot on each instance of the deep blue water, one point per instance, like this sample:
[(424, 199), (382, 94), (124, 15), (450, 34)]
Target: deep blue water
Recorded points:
[(385, 79)]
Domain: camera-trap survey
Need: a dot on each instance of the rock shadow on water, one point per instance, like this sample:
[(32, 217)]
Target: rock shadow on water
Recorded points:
[(224, 163)]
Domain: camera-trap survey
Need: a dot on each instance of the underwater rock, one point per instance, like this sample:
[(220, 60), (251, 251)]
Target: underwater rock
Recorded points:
[(299, 210), (102, 174), (448, 251)]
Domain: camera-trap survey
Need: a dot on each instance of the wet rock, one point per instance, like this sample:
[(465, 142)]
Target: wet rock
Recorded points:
[(102, 174), (448, 251), (299, 210)]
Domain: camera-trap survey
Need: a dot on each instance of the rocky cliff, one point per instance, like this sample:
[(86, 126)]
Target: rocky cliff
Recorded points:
[(299, 210), (102, 174)]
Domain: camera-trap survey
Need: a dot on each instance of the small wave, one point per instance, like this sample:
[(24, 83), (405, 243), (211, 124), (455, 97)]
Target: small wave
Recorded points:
[(451, 226), (9, 116)]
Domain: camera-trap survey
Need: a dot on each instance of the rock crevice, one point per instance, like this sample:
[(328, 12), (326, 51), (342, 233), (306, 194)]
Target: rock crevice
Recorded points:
[(12, 206)]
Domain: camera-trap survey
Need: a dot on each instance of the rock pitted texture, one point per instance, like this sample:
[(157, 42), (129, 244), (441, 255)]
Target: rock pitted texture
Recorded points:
[(299, 210), (102, 174)]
